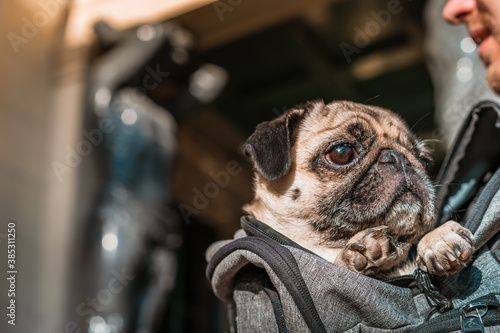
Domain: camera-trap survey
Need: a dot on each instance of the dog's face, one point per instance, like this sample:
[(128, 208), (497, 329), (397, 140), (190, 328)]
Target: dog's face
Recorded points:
[(342, 168)]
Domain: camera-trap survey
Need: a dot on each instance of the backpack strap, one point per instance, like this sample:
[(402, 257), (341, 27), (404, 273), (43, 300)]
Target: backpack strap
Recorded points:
[(483, 202), (475, 154), (256, 279), (451, 320), (284, 265)]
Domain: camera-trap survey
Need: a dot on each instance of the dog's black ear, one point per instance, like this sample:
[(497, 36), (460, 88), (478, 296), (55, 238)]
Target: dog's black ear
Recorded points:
[(269, 147)]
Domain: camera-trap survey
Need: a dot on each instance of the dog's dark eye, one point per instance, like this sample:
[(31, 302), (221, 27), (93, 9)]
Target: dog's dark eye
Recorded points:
[(341, 154), (425, 163)]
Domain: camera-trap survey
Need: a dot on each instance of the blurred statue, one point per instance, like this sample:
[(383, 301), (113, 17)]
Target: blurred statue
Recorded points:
[(130, 254)]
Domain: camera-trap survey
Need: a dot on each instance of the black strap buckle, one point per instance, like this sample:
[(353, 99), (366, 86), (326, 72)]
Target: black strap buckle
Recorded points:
[(471, 317), (424, 284)]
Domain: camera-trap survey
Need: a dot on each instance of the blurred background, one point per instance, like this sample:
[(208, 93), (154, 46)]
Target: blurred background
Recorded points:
[(120, 125)]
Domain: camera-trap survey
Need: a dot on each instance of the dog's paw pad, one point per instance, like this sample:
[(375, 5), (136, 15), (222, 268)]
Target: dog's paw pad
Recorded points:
[(368, 251), (446, 249)]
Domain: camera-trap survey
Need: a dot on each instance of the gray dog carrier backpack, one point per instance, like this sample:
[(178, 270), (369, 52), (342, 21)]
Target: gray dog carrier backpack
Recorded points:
[(272, 284)]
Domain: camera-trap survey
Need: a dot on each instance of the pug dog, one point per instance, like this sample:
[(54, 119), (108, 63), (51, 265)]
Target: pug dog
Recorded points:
[(349, 182)]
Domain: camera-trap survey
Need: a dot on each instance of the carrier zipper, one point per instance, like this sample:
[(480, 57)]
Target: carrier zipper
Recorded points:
[(396, 279), (280, 239), (265, 233)]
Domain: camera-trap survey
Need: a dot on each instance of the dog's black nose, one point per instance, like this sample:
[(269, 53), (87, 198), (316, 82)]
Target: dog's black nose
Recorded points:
[(393, 157)]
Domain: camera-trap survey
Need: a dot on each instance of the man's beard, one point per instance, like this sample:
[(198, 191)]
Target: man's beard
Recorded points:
[(493, 75)]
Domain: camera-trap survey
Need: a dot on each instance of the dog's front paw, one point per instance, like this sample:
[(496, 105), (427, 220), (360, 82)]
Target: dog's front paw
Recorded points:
[(369, 252), (446, 249)]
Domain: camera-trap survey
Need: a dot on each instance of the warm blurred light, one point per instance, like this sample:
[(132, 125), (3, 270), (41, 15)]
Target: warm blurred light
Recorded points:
[(109, 242), (207, 82), (464, 70), (468, 45), (146, 32), (129, 116), (115, 322), (121, 14), (102, 98), (98, 325)]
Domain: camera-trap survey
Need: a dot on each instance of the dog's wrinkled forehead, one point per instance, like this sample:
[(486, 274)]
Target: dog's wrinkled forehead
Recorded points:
[(362, 122), (270, 146)]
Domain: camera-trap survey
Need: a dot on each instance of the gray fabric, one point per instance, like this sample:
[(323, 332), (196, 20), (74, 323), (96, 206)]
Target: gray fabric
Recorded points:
[(490, 224), (483, 276), (479, 279), (223, 283), (347, 301), (255, 318), (344, 298)]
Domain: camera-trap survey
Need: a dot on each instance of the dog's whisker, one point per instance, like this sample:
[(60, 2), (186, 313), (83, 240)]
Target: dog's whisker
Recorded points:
[(424, 141), (371, 98), (423, 117), (285, 195)]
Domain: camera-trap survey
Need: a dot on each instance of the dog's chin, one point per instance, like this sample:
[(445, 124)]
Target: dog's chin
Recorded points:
[(405, 219), (403, 203), (404, 213)]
